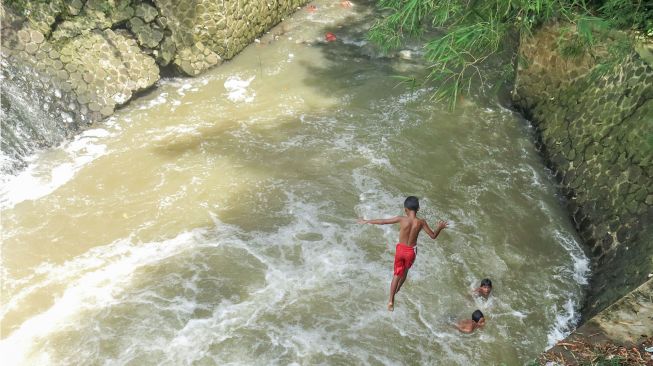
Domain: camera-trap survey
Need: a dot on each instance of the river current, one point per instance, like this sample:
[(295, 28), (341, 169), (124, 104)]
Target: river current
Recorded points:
[(213, 221)]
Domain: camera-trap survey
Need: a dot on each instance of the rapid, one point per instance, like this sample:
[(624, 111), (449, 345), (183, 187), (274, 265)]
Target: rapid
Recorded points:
[(213, 220)]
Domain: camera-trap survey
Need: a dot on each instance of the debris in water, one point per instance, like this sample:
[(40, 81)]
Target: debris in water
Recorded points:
[(406, 54), (585, 351), (330, 37)]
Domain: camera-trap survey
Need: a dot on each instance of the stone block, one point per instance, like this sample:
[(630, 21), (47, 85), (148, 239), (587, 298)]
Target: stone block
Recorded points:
[(146, 12)]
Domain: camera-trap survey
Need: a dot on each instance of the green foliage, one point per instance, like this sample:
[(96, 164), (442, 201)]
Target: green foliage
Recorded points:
[(580, 39), (625, 14), (475, 31), (603, 361)]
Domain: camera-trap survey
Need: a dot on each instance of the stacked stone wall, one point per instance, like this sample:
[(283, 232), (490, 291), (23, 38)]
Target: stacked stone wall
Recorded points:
[(596, 134), (100, 52)]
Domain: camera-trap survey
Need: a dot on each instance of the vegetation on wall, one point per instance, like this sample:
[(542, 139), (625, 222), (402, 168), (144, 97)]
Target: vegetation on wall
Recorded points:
[(473, 31)]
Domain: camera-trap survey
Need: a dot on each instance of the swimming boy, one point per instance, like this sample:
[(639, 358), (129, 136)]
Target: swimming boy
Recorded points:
[(485, 288), (409, 228), (468, 326)]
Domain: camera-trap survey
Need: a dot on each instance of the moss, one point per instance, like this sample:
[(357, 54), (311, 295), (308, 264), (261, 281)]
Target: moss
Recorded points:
[(599, 146)]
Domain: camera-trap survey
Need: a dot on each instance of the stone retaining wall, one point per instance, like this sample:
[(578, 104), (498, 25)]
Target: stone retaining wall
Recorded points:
[(596, 134), (100, 52), (626, 324)]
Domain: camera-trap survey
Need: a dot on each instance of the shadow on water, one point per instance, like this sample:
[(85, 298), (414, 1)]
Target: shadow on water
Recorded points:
[(352, 59), (352, 54)]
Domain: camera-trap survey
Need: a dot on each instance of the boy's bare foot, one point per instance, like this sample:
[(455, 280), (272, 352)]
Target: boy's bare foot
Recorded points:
[(391, 306)]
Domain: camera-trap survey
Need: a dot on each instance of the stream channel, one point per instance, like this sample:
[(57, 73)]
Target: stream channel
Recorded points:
[(213, 220)]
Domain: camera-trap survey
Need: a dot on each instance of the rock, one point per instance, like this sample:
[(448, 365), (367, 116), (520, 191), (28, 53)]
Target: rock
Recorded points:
[(74, 7), (24, 36), (36, 36), (31, 47), (88, 77), (106, 111), (162, 22), (146, 12), (148, 35), (213, 59), (167, 52), (136, 22)]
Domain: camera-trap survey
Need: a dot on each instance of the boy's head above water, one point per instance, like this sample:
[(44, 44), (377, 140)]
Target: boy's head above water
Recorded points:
[(468, 326), (485, 288), (411, 204), (477, 317)]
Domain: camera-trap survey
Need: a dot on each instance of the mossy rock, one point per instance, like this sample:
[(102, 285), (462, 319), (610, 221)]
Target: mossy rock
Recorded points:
[(146, 12), (148, 35)]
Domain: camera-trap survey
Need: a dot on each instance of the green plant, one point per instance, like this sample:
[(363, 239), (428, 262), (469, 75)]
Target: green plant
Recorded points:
[(473, 32), (603, 361), (634, 14)]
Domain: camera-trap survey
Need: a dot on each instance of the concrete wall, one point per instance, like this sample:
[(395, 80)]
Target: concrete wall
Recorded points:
[(596, 134), (93, 55)]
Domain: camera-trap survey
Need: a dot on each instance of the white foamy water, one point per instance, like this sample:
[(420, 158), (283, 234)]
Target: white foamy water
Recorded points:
[(237, 89), (91, 281), (49, 170)]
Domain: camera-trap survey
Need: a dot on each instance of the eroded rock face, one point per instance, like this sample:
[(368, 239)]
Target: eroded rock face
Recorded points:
[(103, 51), (81, 56), (100, 68), (596, 134), (205, 32), (194, 35)]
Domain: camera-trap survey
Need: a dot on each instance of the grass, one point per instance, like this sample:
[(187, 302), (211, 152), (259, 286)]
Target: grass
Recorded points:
[(477, 31)]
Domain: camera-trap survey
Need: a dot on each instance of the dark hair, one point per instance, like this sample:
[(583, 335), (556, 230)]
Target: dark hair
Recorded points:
[(412, 203), (476, 316), (486, 282)]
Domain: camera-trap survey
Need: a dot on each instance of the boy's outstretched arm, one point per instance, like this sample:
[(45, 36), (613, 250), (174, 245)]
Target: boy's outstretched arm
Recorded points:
[(438, 227), (392, 220)]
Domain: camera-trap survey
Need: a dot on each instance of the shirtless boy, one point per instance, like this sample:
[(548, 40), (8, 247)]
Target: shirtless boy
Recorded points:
[(485, 288), (469, 325), (409, 228)]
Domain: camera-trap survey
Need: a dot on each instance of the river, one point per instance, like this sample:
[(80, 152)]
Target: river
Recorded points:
[(213, 221)]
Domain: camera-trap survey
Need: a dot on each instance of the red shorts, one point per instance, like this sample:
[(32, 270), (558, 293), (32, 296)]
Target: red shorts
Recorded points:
[(404, 258)]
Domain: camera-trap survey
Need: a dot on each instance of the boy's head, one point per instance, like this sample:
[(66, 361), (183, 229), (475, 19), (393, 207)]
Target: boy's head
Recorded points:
[(486, 287), (411, 203), (478, 318)]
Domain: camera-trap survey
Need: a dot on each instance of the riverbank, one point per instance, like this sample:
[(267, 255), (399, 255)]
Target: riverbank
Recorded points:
[(595, 132)]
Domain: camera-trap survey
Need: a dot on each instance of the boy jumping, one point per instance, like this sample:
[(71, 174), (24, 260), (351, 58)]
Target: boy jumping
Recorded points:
[(409, 229)]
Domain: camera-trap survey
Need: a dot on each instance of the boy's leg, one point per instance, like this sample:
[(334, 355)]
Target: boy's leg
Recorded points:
[(393, 291), (402, 279)]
